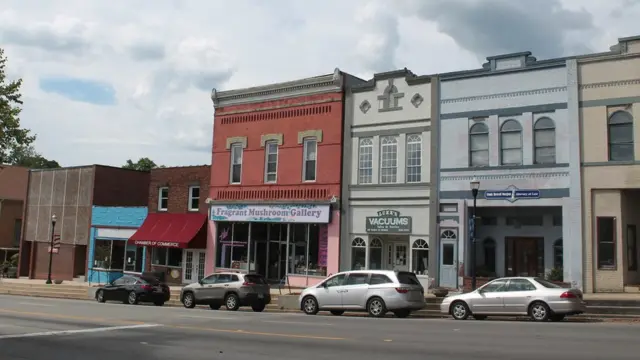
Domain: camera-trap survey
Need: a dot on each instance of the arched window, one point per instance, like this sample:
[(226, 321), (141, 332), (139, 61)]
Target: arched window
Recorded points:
[(388, 159), (479, 145), (544, 139), (489, 247), (365, 161), (358, 254), (511, 143), (620, 130), (557, 254), (414, 158), (375, 254), (449, 234), (420, 256)]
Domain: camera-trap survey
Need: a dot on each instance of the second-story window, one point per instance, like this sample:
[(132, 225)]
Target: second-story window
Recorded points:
[(544, 140), (194, 198), (163, 198), (388, 159), (236, 164), (365, 161), (310, 159), (414, 158), (271, 162), (511, 143), (620, 128), (479, 145)]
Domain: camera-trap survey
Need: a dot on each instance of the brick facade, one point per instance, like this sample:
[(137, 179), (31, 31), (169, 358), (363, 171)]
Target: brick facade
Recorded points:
[(178, 180)]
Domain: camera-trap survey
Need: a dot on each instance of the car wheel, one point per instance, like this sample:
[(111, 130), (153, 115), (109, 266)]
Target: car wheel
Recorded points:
[(214, 306), (402, 313), (337, 312), (556, 317), (480, 317), (539, 311), (376, 307), (100, 296), (188, 300), (158, 303), (231, 302), (310, 305), (460, 310), (132, 299), (258, 307)]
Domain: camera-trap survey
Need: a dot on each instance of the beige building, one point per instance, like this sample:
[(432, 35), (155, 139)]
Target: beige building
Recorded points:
[(609, 94)]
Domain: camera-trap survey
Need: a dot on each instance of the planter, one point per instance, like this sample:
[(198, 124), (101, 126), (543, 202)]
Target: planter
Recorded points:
[(57, 282), (288, 302), (440, 293)]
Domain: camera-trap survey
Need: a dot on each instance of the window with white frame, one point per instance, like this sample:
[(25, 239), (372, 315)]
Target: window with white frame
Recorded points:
[(365, 161), (194, 198), (479, 145), (375, 254), (271, 162), (163, 198), (310, 159), (511, 143), (358, 254), (236, 164), (414, 158), (420, 256), (544, 139), (388, 159)]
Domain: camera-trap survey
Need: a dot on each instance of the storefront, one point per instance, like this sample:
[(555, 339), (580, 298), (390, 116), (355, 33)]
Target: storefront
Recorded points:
[(176, 243), (296, 244)]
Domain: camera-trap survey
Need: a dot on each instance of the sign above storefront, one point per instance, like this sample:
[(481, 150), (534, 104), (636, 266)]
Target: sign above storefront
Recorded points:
[(388, 221), (307, 214), (163, 244), (512, 194)]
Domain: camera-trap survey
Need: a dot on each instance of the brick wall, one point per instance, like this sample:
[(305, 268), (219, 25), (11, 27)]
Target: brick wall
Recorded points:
[(179, 179), (10, 211), (120, 187)]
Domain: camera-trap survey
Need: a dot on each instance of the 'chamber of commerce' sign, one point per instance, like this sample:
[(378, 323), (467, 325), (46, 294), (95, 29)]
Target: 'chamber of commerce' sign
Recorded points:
[(309, 214), (388, 221)]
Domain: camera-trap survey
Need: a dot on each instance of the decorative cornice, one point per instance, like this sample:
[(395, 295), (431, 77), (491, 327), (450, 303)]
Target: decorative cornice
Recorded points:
[(512, 94), (524, 175), (614, 83)]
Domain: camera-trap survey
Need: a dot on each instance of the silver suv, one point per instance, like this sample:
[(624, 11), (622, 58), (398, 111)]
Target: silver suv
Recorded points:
[(373, 291), (230, 289)]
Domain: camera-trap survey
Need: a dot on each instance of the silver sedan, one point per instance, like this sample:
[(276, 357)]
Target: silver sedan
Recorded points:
[(535, 297)]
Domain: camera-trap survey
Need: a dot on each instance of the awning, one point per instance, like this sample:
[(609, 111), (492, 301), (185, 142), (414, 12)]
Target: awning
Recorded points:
[(168, 230)]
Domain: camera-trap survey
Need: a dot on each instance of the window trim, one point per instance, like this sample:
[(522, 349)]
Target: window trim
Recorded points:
[(614, 242), (502, 149), (620, 124), (535, 136), (305, 145), (406, 158), (266, 161), (160, 198), (360, 168), (191, 198), (484, 132), (231, 164), (380, 167)]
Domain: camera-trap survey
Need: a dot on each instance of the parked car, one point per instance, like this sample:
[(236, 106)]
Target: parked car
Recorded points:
[(132, 289), (374, 291), (230, 289), (511, 296)]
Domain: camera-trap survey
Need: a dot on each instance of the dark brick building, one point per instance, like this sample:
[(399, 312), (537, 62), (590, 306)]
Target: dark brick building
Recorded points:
[(174, 231), (13, 191), (70, 194)]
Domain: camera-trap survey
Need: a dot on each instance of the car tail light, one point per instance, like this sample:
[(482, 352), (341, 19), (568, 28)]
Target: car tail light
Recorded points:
[(568, 295), (146, 287), (248, 283), (402, 290)]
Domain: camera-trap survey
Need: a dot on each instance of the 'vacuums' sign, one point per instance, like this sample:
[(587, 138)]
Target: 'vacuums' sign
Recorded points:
[(388, 221)]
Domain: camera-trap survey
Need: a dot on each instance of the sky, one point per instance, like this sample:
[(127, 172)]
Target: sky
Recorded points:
[(106, 81)]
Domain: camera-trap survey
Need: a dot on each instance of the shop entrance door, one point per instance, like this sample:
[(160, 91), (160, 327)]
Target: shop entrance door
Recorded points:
[(276, 261), (400, 256), (448, 263), (193, 268), (524, 256)]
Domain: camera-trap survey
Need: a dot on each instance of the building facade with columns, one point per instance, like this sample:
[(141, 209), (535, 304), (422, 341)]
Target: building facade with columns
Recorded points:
[(387, 174), (512, 126)]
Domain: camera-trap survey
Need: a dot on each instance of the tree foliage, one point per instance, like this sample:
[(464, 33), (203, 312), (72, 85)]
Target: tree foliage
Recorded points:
[(12, 136), (143, 164), (28, 157)]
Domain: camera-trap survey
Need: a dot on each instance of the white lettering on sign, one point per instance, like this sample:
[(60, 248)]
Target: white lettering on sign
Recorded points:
[(271, 213), (157, 243), (389, 221)]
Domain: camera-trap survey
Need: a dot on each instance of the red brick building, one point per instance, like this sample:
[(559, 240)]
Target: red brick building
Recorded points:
[(13, 191), (174, 231), (275, 178)]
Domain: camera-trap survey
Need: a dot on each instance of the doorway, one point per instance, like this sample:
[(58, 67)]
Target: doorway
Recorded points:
[(193, 261), (400, 256), (524, 256), (448, 263)]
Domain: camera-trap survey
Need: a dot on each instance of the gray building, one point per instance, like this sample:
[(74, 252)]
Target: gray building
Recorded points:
[(387, 174)]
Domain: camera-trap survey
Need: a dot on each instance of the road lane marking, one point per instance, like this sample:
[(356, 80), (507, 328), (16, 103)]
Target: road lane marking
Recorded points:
[(207, 317), (71, 317), (296, 322), (78, 331), (34, 304), (260, 333)]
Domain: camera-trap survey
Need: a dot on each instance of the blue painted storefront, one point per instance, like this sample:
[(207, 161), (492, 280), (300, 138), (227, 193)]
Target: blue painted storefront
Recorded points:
[(112, 217)]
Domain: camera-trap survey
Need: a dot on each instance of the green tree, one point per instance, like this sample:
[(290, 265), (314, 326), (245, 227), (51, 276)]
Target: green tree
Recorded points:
[(12, 136), (143, 164), (28, 157)]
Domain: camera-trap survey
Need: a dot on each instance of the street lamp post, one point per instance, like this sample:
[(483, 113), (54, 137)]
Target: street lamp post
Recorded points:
[(53, 228), (475, 185)]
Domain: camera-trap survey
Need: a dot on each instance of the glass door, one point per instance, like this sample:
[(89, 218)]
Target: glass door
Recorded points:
[(400, 257), (187, 274)]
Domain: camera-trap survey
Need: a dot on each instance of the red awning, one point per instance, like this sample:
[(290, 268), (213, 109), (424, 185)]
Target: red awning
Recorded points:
[(168, 230)]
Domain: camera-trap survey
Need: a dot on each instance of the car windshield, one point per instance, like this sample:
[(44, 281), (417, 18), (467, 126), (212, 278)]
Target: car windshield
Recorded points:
[(547, 284), (148, 280), (407, 278)]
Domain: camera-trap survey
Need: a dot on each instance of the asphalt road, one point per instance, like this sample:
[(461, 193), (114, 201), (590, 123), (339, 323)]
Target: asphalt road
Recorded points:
[(52, 329)]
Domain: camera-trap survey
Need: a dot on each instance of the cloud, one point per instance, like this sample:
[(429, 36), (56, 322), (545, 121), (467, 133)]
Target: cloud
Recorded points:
[(380, 39), (88, 91)]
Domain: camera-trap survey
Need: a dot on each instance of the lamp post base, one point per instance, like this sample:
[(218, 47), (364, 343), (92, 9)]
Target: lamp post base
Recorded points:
[(49, 281)]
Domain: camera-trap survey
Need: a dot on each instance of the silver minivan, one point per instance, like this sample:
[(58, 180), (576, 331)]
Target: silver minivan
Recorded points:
[(374, 291)]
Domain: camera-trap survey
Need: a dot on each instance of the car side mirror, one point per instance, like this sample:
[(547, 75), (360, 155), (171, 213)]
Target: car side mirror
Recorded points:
[(480, 291), (325, 285)]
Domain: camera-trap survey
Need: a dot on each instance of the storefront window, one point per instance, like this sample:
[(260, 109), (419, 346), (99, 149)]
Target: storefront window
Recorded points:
[(420, 257), (358, 254), (109, 254), (166, 257), (375, 254), (232, 245)]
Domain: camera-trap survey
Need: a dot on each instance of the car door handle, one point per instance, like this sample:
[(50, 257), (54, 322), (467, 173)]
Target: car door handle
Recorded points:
[(227, 285)]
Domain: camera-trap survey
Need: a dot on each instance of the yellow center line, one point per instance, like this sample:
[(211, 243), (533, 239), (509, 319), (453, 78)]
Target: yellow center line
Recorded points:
[(247, 332), (71, 317)]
